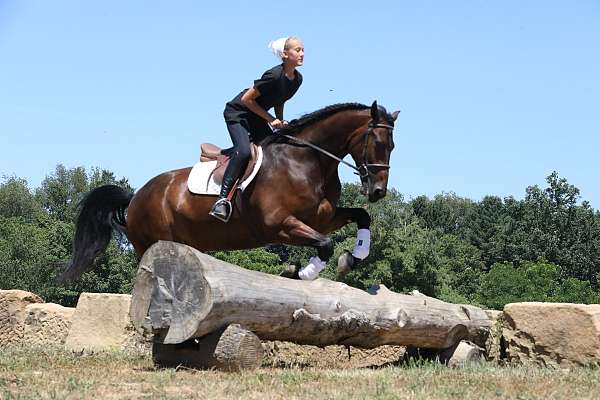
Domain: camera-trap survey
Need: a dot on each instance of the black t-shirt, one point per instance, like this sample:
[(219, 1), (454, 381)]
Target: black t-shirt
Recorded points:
[(274, 87)]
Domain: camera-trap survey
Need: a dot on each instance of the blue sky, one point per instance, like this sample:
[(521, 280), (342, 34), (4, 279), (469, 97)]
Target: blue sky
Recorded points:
[(494, 95)]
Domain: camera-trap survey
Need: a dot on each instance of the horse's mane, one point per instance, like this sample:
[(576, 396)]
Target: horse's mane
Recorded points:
[(306, 120)]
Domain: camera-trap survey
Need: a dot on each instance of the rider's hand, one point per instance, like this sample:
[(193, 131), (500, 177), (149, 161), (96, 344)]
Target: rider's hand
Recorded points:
[(277, 123)]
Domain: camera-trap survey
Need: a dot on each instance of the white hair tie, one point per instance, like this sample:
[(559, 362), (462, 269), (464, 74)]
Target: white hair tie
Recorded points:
[(277, 46)]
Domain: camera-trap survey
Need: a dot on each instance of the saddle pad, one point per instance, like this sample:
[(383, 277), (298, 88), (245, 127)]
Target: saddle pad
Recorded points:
[(201, 180)]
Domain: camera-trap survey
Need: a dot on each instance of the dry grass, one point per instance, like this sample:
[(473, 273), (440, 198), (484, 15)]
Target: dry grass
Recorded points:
[(27, 374)]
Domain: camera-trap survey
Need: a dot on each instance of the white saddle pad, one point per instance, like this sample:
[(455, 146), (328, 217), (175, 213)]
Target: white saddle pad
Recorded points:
[(201, 180)]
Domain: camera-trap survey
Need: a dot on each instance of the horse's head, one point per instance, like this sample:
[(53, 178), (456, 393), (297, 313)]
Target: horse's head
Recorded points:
[(372, 151)]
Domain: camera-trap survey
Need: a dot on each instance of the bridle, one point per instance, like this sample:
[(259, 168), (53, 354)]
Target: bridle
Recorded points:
[(361, 170), (366, 165)]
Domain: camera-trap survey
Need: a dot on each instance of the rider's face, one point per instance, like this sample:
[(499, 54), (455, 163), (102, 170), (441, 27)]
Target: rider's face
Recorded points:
[(294, 54)]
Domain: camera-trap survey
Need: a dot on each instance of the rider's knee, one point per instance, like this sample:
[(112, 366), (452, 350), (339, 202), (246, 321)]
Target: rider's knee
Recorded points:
[(242, 153)]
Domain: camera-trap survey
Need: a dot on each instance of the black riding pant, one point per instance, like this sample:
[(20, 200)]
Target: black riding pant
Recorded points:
[(240, 154)]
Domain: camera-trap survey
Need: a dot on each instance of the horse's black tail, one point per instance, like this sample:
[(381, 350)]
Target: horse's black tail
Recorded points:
[(101, 211)]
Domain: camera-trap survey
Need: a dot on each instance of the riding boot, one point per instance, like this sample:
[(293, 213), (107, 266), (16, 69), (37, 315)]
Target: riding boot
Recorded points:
[(222, 208)]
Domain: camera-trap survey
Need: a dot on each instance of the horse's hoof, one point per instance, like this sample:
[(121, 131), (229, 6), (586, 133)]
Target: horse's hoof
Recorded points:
[(345, 264), (291, 271)]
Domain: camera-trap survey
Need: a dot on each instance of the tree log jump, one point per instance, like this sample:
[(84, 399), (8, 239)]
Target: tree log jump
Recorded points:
[(181, 293)]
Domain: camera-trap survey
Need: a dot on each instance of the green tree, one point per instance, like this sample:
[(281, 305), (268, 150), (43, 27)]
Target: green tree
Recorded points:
[(61, 192), (550, 224), (460, 270), (255, 259), (575, 291), (531, 281), (17, 201), (485, 229), (446, 213)]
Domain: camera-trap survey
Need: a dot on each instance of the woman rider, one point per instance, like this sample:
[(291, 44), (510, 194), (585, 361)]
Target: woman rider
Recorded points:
[(247, 115)]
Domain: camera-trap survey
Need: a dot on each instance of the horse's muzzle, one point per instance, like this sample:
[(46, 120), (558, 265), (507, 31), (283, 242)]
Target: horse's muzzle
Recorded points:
[(377, 193)]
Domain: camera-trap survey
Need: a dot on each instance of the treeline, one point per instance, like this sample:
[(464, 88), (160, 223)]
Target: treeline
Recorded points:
[(545, 247)]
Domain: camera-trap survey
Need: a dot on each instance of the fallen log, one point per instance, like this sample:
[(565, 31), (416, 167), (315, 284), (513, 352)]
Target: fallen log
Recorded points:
[(183, 294)]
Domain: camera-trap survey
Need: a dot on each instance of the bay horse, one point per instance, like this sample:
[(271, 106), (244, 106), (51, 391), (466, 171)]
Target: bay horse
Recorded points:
[(292, 200)]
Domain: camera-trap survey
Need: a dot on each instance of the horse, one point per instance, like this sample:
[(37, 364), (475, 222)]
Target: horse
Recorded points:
[(292, 199)]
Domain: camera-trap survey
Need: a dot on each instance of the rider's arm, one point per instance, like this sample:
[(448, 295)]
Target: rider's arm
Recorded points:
[(279, 111), (248, 101)]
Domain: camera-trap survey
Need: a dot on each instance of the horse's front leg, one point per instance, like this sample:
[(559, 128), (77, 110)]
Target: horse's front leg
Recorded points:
[(296, 232), (362, 219)]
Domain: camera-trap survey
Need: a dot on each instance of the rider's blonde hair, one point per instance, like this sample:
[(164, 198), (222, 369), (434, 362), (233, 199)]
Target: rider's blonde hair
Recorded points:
[(288, 40)]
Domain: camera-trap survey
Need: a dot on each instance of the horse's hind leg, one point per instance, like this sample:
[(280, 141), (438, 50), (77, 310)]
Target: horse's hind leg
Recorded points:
[(296, 232)]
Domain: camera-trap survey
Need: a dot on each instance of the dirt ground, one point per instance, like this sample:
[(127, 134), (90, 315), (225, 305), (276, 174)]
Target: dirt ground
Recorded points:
[(285, 354)]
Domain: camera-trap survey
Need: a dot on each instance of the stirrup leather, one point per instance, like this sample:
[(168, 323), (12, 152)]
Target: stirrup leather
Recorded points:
[(228, 206)]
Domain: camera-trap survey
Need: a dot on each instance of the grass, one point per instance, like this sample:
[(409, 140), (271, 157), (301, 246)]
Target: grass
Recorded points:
[(58, 374)]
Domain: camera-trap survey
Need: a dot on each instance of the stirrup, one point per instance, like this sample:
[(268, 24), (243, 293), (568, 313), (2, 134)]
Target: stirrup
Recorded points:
[(228, 207)]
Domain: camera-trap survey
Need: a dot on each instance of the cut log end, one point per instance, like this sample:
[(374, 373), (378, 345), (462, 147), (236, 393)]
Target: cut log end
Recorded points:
[(232, 349), (464, 353), (170, 291), (456, 356)]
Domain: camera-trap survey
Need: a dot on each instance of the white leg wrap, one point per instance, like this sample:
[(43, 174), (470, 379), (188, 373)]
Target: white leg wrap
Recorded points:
[(363, 243), (311, 271)]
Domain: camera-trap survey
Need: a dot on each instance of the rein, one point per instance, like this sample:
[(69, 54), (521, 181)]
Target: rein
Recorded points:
[(364, 166)]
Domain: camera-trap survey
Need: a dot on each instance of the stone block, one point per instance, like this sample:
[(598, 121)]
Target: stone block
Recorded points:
[(47, 325), (13, 304), (101, 322), (555, 335)]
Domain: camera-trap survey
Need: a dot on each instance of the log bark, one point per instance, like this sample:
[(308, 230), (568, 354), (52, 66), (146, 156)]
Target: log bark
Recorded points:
[(230, 349), (188, 294)]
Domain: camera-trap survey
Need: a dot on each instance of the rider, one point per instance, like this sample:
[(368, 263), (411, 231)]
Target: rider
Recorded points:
[(247, 115)]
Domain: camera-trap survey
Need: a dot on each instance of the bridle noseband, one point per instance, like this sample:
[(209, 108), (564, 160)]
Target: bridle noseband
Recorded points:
[(363, 169)]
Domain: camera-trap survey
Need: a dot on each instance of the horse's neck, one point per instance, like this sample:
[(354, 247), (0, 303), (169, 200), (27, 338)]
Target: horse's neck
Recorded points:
[(335, 132)]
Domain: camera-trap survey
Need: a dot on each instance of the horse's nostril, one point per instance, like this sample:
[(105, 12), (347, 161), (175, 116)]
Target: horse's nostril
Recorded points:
[(378, 193)]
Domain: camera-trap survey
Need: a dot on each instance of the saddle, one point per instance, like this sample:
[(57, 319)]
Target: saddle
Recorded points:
[(210, 152)]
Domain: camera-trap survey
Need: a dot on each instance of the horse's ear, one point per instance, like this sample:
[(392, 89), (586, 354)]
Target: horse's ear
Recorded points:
[(375, 112), (395, 114)]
